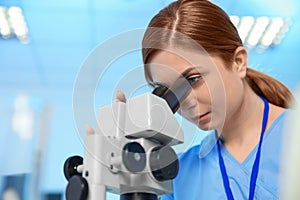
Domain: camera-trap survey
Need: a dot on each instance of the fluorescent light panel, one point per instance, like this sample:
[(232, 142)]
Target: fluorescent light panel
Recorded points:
[(257, 31), (261, 32), (245, 26), (12, 22), (4, 24)]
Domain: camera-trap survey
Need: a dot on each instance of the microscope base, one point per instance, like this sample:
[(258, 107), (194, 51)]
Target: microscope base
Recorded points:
[(138, 196)]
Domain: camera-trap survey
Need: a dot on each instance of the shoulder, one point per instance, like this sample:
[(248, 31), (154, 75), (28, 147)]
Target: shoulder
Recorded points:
[(278, 127), (278, 114), (285, 121), (278, 118)]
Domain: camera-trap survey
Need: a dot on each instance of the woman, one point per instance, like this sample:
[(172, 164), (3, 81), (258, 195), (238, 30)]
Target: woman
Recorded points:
[(246, 108), (240, 160)]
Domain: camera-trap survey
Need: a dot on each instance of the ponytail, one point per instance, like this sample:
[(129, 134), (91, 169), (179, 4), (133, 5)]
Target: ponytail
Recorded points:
[(271, 89)]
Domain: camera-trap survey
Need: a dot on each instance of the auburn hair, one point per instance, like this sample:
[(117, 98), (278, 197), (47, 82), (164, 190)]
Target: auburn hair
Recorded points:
[(208, 25)]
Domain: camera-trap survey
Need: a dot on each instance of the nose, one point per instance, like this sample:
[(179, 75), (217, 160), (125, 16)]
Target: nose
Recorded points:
[(189, 103)]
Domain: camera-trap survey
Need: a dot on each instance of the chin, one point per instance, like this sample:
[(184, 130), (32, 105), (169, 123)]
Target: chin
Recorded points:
[(205, 126), (211, 125)]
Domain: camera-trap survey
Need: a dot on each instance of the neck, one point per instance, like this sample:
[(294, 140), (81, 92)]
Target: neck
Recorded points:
[(243, 126)]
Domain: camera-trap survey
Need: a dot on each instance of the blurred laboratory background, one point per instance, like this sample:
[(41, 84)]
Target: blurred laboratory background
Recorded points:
[(44, 44)]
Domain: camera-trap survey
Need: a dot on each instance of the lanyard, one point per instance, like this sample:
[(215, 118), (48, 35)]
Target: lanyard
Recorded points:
[(255, 166)]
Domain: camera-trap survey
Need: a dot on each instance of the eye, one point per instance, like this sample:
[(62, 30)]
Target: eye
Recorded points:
[(156, 85), (194, 78)]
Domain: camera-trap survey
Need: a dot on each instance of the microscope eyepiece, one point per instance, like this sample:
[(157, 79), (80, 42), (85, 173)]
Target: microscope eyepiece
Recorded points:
[(174, 94)]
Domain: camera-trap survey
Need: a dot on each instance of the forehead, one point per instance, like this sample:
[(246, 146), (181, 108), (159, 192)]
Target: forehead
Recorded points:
[(165, 66)]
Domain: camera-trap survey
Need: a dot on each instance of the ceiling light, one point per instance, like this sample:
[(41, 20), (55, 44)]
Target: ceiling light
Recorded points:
[(12, 22), (280, 35), (4, 24), (235, 20), (272, 31), (257, 31), (245, 26), (261, 32)]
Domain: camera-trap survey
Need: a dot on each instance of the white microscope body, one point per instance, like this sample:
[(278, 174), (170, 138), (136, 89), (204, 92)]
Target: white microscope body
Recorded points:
[(130, 152)]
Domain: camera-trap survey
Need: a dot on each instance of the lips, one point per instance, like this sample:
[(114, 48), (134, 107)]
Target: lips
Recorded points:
[(201, 118), (205, 114)]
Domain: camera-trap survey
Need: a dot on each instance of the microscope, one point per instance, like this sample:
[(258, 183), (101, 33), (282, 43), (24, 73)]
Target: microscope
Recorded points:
[(130, 153)]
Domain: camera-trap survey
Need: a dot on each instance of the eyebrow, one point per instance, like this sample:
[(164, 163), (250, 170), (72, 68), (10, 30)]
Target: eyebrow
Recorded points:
[(184, 74)]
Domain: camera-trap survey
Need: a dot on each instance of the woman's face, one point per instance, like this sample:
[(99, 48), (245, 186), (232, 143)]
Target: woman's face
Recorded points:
[(216, 92)]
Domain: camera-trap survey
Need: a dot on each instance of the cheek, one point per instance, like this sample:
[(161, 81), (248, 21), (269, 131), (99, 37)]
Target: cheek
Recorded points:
[(188, 105), (216, 91), (198, 100)]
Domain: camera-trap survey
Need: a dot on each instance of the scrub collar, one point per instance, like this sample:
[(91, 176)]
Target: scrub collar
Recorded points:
[(208, 144)]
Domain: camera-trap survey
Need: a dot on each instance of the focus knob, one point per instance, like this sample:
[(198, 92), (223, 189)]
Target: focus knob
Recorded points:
[(134, 157), (77, 188), (70, 166), (164, 163)]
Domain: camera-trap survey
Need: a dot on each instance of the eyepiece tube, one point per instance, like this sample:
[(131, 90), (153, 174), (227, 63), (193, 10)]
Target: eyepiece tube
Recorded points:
[(175, 94)]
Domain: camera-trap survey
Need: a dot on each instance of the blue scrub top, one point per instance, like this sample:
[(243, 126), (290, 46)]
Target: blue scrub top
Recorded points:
[(200, 177)]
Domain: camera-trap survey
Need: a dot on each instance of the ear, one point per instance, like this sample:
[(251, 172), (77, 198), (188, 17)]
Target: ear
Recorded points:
[(240, 61)]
